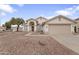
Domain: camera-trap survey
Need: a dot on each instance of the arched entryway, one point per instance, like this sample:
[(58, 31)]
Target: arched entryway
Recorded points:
[(32, 26)]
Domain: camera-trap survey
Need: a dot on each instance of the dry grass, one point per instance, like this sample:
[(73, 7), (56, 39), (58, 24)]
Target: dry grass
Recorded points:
[(19, 44)]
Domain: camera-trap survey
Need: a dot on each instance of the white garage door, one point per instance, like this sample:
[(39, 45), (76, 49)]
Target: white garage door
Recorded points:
[(59, 29)]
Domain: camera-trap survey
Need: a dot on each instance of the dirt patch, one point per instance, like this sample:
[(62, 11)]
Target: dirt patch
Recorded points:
[(19, 44)]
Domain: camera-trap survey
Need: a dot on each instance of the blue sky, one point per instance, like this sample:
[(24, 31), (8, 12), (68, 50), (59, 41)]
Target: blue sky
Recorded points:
[(27, 11)]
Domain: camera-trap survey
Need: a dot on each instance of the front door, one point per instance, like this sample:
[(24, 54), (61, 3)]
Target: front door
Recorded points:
[(32, 28)]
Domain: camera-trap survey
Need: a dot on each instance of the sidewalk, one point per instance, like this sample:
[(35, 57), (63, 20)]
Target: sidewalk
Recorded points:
[(35, 34)]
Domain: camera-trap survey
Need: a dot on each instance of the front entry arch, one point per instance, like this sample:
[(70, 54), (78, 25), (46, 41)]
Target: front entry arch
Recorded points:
[(32, 26)]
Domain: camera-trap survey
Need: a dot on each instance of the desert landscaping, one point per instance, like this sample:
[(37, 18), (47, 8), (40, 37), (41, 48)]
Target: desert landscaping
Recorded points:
[(20, 43)]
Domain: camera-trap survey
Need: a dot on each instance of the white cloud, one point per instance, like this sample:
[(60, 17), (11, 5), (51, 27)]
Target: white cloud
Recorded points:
[(7, 8), (2, 14), (49, 17), (77, 8), (63, 12), (68, 11)]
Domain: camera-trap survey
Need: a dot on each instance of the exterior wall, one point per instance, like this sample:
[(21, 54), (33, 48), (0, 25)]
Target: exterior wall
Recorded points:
[(60, 25), (61, 21), (39, 28), (77, 26), (45, 28), (73, 27), (14, 28), (40, 20), (77, 21), (24, 27), (21, 28)]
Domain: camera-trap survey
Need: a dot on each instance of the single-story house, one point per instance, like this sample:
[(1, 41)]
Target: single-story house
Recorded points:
[(56, 25)]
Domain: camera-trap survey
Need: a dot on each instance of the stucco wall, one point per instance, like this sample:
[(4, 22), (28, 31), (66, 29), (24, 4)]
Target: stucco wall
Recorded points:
[(45, 28), (59, 25), (59, 21), (41, 20)]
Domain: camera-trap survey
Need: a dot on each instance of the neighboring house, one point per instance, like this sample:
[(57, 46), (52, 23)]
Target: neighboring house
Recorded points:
[(14, 28), (2, 28), (56, 25)]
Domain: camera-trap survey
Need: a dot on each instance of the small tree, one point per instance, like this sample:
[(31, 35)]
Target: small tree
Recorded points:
[(14, 21), (8, 25), (17, 21)]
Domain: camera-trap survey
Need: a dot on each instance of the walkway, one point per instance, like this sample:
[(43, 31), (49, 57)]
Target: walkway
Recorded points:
[(35, 34)]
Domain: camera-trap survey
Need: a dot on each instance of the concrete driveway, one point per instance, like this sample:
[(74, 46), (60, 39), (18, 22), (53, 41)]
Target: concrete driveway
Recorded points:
[(69, 40)]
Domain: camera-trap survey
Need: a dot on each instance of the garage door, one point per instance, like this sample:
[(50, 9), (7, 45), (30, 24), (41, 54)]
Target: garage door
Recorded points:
[(59, 29)]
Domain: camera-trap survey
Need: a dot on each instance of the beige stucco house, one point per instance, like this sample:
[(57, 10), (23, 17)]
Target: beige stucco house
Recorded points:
[(60, 25), (56, 25), (35, 24)]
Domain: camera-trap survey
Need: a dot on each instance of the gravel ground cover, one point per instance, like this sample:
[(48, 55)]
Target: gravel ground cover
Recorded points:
[(16, 43)]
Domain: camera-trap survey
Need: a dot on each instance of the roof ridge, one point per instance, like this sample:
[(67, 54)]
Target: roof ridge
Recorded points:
[(77, 19), (60, 16)]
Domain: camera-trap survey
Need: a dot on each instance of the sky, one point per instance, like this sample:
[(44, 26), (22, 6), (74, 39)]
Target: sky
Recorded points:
[(26, 11)]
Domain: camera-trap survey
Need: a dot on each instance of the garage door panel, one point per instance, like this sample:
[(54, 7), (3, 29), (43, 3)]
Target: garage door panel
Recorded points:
[(59, 29)]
